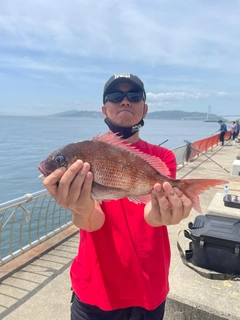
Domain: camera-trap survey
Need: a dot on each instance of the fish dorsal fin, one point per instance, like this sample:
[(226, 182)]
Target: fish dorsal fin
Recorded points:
[(116, 141)]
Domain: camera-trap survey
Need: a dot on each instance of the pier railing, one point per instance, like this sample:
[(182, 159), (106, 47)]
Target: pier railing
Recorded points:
[(27, 221)]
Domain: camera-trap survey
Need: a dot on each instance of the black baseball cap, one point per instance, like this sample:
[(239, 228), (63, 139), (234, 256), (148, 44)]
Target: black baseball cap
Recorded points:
[(123, 78)]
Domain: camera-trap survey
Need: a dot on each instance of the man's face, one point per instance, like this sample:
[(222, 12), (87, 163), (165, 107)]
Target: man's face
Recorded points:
[(125, 113)]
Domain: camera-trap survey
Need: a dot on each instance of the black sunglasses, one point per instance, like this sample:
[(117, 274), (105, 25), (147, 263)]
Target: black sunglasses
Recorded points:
[(118, 96)]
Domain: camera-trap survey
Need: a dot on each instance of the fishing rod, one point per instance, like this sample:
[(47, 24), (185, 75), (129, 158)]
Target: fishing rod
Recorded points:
[(212, 133), (163, 142), (195, 148)]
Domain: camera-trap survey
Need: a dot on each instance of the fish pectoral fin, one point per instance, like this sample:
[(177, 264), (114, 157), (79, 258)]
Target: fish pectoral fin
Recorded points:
[(141, 199)]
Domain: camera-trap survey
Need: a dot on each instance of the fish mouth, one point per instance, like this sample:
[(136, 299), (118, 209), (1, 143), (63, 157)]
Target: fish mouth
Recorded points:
[(41, 177), (43, 170)]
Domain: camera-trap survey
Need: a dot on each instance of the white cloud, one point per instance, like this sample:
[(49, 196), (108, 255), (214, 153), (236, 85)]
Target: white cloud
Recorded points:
[(180, 100), (27, 63), (223, 94), (151, 32), (173, 96), (185, 51)]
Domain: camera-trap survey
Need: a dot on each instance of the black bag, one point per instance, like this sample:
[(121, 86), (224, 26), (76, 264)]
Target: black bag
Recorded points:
[(215, 245)]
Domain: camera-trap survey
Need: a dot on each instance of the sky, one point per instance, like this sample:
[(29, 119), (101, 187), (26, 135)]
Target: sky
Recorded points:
[(56, 55)]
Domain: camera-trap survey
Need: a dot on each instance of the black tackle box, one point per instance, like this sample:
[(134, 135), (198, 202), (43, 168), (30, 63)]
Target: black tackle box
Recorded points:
[(215, 243)]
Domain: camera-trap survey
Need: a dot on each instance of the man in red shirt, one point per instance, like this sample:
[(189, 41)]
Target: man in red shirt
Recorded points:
[(121, 270)]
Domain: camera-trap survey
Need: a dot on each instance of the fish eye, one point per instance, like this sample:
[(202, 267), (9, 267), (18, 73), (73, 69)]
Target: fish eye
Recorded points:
[(60, 159)]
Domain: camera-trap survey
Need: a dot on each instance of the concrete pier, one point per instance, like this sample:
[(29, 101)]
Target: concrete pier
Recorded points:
[(36, 285)]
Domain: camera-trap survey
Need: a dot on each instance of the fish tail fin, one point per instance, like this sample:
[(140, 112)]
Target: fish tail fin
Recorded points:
[(192, 188)]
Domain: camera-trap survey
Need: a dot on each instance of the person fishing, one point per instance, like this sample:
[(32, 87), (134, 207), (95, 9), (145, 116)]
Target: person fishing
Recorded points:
[(122, 266), (223, 130)]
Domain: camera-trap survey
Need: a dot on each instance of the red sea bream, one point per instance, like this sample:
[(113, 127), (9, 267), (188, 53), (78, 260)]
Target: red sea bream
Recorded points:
[(121, 171)]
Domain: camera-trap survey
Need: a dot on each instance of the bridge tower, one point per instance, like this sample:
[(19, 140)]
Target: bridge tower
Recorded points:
[(208, 113)]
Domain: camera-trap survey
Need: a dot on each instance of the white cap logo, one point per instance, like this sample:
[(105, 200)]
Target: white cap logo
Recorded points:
[(122, 75)]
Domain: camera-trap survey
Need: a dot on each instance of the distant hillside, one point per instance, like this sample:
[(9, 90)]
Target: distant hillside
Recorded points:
[(66, 113), (182, 115), (82, 113), (170, 115)]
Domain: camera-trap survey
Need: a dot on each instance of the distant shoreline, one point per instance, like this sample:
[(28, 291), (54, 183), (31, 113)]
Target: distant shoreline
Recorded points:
[(157, 115)]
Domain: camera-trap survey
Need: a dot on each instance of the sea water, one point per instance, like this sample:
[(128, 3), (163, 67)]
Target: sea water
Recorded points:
[(26, 141)]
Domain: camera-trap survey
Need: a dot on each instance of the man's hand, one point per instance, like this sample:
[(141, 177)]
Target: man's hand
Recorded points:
[(168, 206), (72, 190)]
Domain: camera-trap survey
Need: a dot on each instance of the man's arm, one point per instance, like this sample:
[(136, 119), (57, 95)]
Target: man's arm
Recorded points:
[(72, 189), (90, 222)]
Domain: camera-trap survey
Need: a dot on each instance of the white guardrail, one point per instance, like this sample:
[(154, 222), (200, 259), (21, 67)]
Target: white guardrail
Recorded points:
[(28, 221)]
